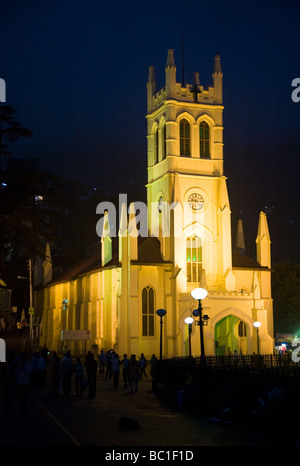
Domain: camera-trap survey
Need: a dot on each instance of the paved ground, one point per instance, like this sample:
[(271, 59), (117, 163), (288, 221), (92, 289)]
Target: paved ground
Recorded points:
[(80, 421)]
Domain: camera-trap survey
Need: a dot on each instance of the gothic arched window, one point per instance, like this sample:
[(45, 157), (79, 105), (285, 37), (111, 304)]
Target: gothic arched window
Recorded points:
[(204, 139), (185, 139), (148, 312), (193, 258)]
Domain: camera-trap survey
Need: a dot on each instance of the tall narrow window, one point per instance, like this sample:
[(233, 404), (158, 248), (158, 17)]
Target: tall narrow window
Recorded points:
[(164, 148), (193, 259), (148, 312), (204, 139), (242, 330), (155, 147), (185, 140)]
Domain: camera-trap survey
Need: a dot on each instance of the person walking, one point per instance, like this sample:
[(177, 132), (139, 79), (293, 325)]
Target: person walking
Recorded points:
[(142, 364), (134, 373)]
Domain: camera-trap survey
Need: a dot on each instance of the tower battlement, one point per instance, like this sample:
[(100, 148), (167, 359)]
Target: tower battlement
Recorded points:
[(187, 93)]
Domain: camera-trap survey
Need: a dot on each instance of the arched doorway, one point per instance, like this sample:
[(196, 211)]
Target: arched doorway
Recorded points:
[(231, 334)]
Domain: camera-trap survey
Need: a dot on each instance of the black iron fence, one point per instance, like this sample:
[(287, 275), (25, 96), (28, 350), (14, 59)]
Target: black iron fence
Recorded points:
[(257, 392), (257, 373)]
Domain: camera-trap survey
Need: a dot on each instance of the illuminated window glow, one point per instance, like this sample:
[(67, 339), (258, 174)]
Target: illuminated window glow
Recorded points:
[(193, 259)]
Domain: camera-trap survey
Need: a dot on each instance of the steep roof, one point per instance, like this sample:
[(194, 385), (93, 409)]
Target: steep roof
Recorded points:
[(241, 261), (148, 253)]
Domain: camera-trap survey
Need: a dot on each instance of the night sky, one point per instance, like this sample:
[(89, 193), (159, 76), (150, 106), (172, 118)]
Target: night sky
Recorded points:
[(77, 73)]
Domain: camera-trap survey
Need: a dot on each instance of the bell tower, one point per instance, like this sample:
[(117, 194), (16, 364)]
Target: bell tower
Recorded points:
[(188, 205)]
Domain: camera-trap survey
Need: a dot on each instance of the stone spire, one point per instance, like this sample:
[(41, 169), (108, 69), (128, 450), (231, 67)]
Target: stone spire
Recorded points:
[(240, 241), (263, 242)]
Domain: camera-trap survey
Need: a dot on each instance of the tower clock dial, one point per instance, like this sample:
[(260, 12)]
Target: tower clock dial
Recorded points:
[(196, 201)]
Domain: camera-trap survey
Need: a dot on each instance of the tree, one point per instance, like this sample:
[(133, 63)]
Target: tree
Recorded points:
[(10, 130), (286, 297)]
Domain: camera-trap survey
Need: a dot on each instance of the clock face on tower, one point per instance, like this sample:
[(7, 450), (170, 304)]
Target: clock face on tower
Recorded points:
[(196, 201)]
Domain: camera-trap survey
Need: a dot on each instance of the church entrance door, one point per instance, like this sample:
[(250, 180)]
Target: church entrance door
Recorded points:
[(230, 336)]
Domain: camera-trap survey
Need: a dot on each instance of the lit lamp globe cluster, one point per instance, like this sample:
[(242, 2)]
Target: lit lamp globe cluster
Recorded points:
[(199, 294), (257, 324)]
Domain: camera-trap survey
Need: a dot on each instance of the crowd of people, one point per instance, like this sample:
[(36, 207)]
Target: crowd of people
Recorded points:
[(62, 373)]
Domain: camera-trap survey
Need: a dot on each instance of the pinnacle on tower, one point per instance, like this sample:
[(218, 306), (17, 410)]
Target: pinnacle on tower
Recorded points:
[(196, 79), (218, 79), (151, 86), (170, 59), (217, 66), (151, 76), (170, 75)]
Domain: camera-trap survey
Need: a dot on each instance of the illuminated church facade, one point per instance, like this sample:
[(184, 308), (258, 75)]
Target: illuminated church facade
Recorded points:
[(114, 295)]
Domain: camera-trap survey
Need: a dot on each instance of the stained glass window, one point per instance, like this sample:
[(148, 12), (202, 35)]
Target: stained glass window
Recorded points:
[(148, 312), (193, 259)]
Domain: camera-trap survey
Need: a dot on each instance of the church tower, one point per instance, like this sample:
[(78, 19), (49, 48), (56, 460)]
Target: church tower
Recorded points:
[(188, 204)]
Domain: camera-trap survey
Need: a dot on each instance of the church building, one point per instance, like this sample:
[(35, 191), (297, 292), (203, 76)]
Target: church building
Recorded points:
[(110, 299)]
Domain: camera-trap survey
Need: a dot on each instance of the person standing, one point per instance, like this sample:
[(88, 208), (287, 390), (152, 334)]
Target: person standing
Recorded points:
[(42, 371), (79, 373), (91, 372), (66, 373), (108, 372), (142, 364), (24, 371), (102, 362), (115, 366), (134, 373), (55, 374), (125, 363)]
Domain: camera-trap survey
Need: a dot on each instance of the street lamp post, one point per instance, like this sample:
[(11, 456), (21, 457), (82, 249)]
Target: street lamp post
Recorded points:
[(161, 313), (199, 294), (189, 321), (257, 325)]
